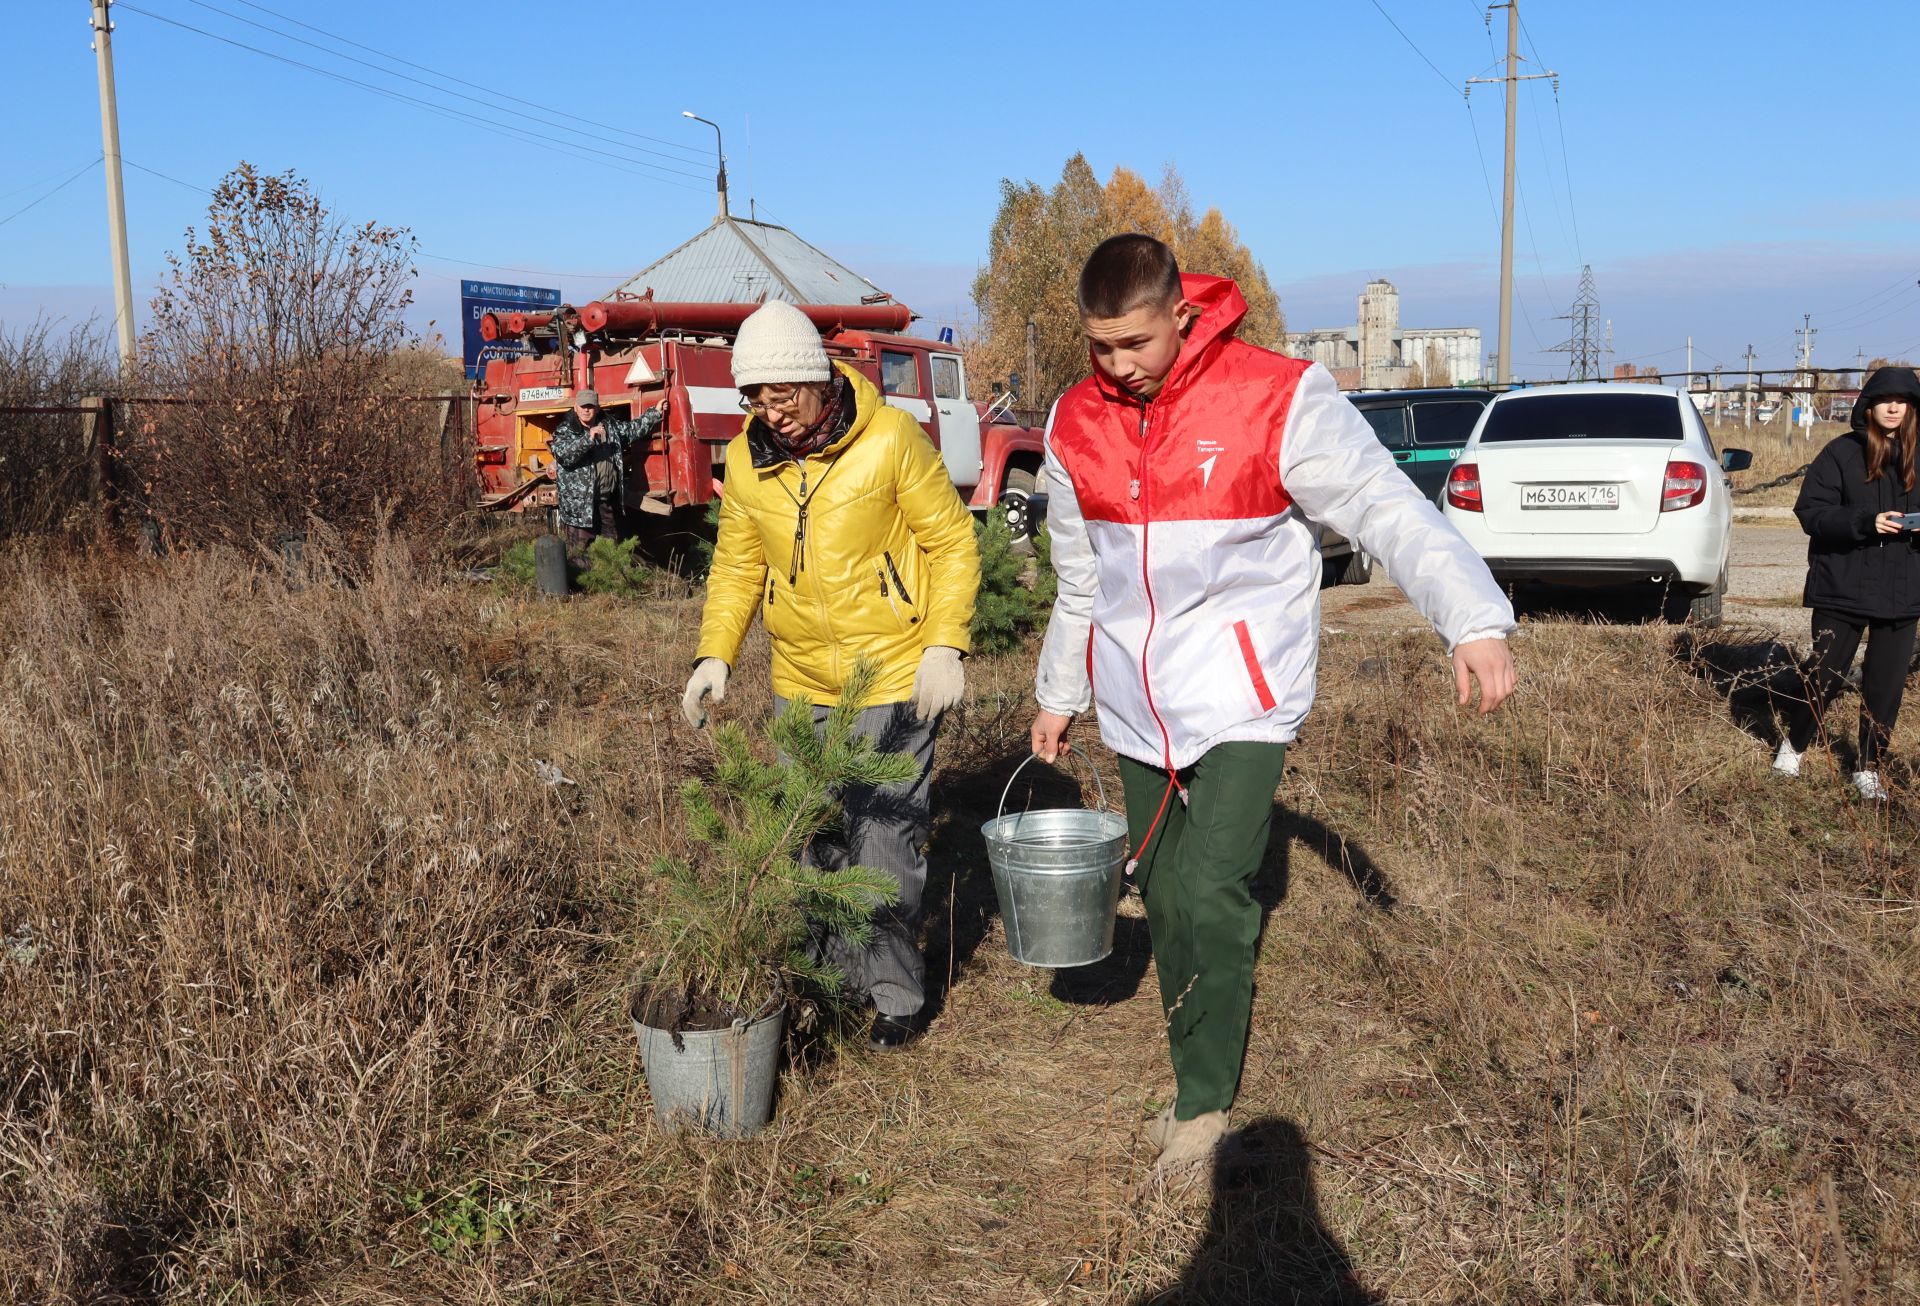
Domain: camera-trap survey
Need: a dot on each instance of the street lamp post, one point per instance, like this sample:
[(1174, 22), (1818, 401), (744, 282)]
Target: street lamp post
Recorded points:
[(720, 148)]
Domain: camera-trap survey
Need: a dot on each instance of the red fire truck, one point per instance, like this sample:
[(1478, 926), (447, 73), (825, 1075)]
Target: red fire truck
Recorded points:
[(633, 351)]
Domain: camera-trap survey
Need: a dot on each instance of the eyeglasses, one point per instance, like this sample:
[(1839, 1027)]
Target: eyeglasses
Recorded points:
[(786, 403)]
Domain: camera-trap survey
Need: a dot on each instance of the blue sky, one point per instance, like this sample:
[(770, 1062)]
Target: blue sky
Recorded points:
[(1713, 161)]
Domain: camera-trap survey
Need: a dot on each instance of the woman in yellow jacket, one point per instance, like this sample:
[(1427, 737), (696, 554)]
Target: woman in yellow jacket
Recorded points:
[(838, 521)]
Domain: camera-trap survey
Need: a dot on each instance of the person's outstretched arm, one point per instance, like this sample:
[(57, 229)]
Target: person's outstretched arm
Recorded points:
[(1336, 469)]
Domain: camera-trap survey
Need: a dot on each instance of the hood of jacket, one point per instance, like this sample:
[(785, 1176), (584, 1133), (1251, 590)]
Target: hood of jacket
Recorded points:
[(1221, 310), (1885, 383)]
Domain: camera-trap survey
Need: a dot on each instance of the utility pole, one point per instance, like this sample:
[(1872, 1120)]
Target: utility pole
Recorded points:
[(1689, 362), (1714, 396), (1806, 381), (1746, 408), (116, 193), (1512, 80)]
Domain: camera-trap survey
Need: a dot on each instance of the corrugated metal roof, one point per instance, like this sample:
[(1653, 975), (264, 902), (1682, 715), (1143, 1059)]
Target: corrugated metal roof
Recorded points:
[(737, 261)]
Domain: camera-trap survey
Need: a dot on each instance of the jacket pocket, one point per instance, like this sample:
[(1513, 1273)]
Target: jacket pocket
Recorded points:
[(898, 594), (1261, 690)]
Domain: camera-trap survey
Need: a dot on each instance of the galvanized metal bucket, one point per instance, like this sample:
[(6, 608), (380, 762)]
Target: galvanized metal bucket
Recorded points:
[(1058, 875), (716, 1080)]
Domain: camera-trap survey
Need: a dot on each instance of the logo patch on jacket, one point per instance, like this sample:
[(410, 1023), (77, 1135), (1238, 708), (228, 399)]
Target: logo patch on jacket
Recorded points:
[(1210, 451)]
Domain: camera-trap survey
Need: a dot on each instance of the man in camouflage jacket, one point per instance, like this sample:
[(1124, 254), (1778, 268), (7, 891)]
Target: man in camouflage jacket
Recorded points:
[(588, 449)]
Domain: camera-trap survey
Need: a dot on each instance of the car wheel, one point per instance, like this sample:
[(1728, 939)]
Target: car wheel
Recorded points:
[(1685, 605), (1354, 568), (1014, 497)]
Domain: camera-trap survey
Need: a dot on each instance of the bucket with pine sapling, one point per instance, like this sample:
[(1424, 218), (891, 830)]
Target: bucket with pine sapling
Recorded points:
[(1058, 874)]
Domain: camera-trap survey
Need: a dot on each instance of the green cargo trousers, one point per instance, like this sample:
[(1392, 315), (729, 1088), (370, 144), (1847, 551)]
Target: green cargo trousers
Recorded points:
[(1196, 876)]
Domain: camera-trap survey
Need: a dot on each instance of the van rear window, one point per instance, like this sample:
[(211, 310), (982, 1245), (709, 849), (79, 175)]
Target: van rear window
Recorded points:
[(1446, 421), (1583, 417)]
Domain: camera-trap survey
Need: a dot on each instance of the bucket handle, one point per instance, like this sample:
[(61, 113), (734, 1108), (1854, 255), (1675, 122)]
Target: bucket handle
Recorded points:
[(1099, 784)]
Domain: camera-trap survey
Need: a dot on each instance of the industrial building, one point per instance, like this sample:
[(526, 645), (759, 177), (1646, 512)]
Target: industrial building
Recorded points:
[(1377, 353)]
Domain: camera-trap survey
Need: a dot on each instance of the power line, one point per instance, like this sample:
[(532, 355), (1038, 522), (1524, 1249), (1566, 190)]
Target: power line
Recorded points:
[(457, 115), (1566, 164), (1854, 324), (50, 194), (1881, 294), (1553, 191), (422, 253), (1444, 79), (1539, 268), (439, 90), (1566, 170), (36, 185), (698, 154), (163, 176)]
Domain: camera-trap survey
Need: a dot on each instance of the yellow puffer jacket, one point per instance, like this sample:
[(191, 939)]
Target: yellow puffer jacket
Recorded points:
[(889, 565)]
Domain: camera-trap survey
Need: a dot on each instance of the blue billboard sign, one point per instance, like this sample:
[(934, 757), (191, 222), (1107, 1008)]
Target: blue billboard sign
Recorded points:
[(477, 299)]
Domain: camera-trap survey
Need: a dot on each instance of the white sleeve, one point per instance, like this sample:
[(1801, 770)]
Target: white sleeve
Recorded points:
[(1335, 468), (1061, 683)]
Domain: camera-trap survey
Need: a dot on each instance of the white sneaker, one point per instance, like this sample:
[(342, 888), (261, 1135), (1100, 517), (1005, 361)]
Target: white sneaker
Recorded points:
[(1786, 761), (1867, 784)]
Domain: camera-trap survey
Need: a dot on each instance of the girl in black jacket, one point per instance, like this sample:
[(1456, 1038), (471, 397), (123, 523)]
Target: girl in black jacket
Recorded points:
[(1863, 569)]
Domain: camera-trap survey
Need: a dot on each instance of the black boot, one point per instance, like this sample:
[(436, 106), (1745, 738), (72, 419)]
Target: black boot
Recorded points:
[(891, 1033)]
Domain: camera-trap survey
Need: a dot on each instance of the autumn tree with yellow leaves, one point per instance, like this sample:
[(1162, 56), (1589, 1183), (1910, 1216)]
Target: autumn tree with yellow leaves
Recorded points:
[(1040, 238)]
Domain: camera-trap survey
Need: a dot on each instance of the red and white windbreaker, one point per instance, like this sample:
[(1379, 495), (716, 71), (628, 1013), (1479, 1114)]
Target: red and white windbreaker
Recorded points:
[(1184, 541)]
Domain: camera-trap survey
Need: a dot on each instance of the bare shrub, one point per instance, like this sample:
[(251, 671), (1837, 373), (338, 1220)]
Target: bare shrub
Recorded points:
[(281, 346), (49, 461)]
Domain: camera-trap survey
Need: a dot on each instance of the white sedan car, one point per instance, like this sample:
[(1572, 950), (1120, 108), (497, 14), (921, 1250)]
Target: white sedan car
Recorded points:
[(1600, 484)]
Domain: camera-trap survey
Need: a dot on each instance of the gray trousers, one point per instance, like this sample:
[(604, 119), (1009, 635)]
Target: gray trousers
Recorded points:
[(886, 829)]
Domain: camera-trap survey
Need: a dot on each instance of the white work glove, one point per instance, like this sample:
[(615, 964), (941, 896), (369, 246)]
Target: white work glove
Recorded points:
[(709, 677), (940, 684)]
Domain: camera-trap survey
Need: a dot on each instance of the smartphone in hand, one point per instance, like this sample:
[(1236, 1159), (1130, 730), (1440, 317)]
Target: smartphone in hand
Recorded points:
[(1908, 521)]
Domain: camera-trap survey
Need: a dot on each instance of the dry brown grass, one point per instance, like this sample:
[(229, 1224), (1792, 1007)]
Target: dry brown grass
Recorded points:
[(303, 966), (1777, 450)]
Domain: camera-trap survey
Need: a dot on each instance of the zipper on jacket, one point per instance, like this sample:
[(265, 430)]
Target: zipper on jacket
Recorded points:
[(887, 594), (799, 529), (1153, 614), (897, 582)]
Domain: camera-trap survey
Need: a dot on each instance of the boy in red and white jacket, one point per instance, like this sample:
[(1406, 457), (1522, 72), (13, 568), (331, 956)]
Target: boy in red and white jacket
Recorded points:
[(1184, 476)]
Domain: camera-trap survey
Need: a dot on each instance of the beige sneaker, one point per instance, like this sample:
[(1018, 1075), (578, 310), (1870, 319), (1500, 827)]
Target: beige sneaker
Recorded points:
[(1159, 1128), (1190, 1145)]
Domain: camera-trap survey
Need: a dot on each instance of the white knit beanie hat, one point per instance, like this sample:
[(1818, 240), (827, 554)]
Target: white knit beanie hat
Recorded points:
[(778, 344)]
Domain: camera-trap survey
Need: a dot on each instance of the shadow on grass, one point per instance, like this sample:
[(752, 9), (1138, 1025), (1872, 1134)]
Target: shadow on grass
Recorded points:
[(1266, 1242), (1635, 605), (982, 749), (1762, 680), (982, 754)]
